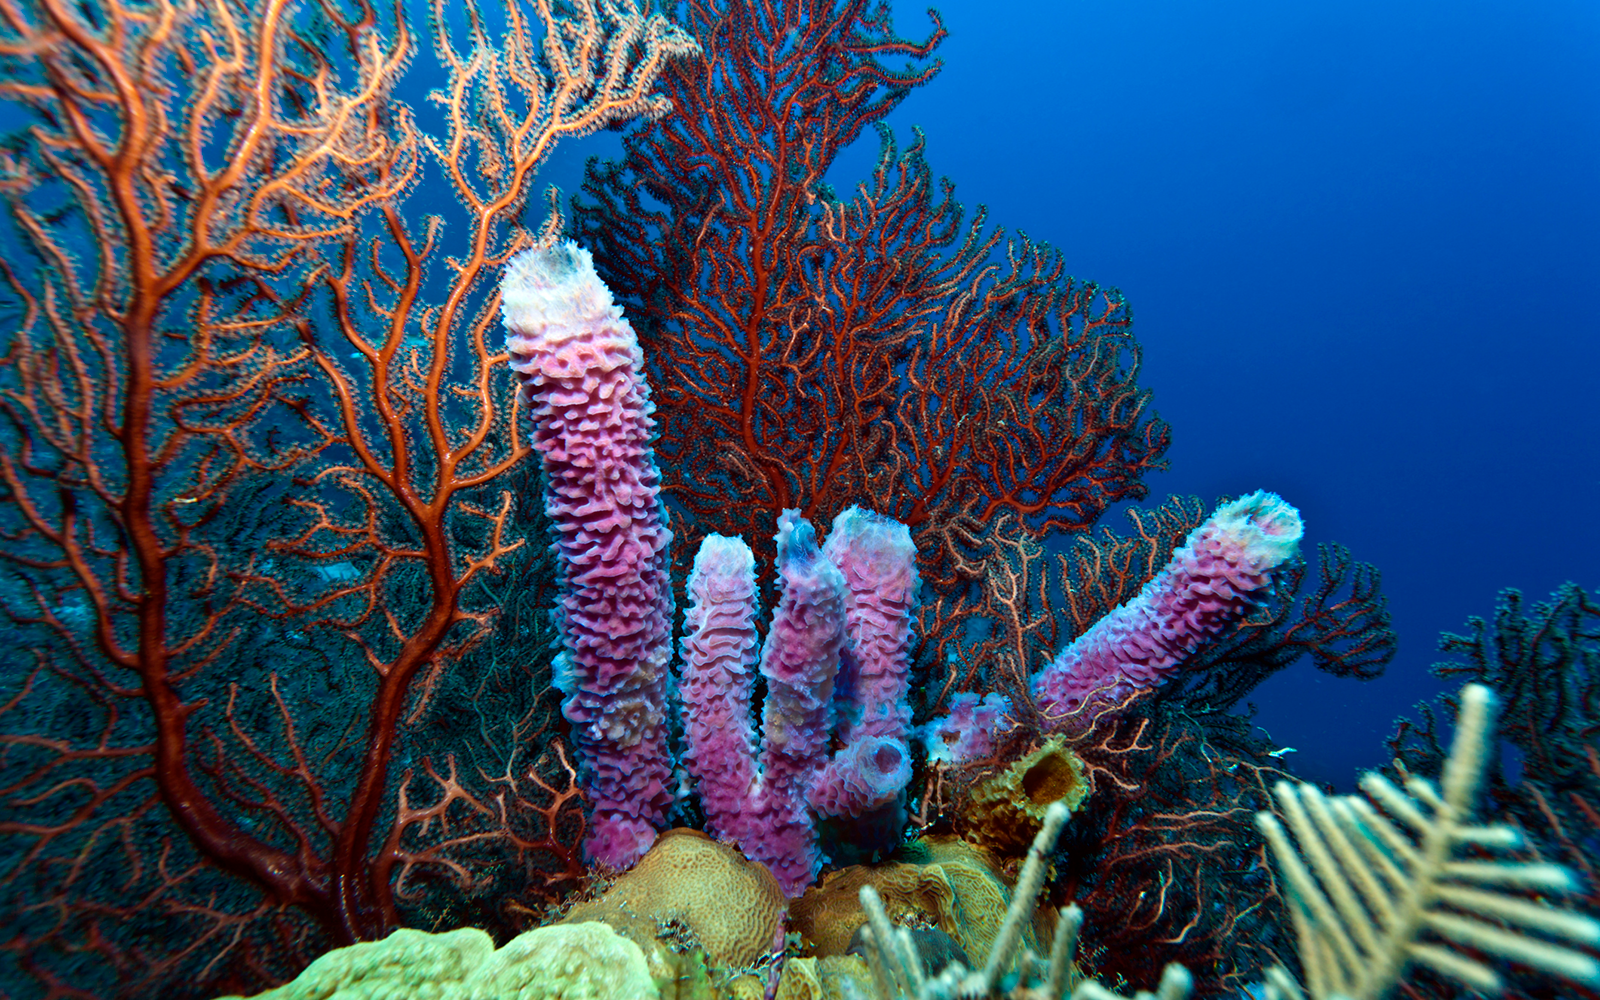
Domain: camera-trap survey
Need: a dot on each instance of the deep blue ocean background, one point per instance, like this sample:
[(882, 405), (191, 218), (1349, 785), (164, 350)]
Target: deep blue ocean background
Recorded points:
[(1361, 240)]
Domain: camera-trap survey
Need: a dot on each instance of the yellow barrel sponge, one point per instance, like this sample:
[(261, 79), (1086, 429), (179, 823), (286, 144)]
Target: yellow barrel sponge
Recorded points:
[(568, 962), (1005, 811)]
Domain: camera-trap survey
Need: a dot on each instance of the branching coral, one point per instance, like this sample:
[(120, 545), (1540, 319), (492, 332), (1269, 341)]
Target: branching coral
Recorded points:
[(251, 432), (1164, 860), (813, 351), (1373, 894)]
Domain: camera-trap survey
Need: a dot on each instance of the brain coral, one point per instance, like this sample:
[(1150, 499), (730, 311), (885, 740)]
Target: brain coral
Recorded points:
[(945, 882), (835, 977), (586, 961), (694, 887)]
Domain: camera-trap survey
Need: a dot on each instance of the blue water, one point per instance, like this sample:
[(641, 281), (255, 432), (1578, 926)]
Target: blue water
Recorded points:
[(1362, 245)]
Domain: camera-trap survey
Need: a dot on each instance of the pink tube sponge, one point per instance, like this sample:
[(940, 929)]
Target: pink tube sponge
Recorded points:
[(878, 560), (717, 681), (799, 661), (1224, 568), (861, 584), (582, 381), (763, 810)]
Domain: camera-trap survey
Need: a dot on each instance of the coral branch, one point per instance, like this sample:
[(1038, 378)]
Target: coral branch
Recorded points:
[(251, 484)]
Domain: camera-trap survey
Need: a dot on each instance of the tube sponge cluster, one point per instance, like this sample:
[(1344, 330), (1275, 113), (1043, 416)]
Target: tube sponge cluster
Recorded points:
[(844, 611), (582, 381), (763, 811), (844, 608), (1222, 571), (878, 560)]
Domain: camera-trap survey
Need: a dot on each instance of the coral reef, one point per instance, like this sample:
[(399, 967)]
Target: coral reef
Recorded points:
[(1162, 857), (766, 813), (1033, 606), (270, 521), (1377, 884), (835, 662)]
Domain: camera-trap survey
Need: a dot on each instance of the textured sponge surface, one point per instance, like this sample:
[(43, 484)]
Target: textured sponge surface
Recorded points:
[(582, 381)]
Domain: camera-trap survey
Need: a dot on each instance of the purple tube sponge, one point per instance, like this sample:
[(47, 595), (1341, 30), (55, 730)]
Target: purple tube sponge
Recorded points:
[(717, 681), (968, 732), (799, 660), (582, 381), (856, 591), (765, 812), (878, 560), (1224, 569)]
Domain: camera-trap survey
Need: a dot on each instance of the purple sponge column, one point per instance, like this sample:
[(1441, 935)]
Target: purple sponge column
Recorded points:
[(799, 661), (1222, 571), (878, 559), (583, 385), (717, 681)]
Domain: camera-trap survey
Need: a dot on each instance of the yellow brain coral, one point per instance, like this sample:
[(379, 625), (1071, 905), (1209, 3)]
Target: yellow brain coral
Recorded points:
[(944, 882), (568, 962), (700, 891)]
